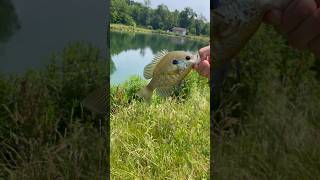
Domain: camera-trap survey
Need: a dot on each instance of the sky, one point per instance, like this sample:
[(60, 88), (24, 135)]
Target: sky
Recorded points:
[(199, 6)]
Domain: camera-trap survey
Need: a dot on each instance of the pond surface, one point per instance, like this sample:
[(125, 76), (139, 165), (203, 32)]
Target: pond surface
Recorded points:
[(130, 52), (34, 29)]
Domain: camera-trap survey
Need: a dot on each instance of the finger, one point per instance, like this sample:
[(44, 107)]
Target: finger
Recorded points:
[(205, 69), (205, 74), (202, 67), (306, 31), (274, 18), (195, 66), (296, 13), (204, 52), (314, 45)]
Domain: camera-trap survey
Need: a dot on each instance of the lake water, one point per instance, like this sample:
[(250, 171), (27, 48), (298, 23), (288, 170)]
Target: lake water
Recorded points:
[(46, 26), (131, 52)]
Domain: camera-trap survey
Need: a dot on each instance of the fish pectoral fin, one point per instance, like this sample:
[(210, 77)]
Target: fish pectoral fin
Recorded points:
[(165, 92), (97, 101)]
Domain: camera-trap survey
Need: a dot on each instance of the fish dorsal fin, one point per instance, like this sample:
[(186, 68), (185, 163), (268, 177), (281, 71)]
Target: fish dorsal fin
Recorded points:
[(148, 69)]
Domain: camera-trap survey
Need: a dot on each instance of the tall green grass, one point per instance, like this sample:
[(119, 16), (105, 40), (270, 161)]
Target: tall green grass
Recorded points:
[(45, 133), (168, 139), (269, 126)]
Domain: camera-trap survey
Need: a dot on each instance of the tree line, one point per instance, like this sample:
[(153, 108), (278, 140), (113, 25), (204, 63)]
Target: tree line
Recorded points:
[(133, 13)]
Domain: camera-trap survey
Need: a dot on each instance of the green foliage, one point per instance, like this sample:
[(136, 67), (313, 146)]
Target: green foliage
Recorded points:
[(123, 95), (134, 13), (269, 120), (186, 18), (174, 131), (43, 127)]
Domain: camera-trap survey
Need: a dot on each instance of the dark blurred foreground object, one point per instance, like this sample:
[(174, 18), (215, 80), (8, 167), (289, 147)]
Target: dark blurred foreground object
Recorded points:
[(9, 22), (97, 101), (234, 22), (214, 4)]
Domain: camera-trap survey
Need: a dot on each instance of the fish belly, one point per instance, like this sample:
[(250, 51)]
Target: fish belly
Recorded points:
[(167, 81)]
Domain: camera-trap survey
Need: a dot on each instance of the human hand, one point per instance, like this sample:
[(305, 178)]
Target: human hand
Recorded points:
[(203, 68), (300, 23)]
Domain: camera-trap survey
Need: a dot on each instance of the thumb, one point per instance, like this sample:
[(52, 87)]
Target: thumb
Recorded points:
[(195, 66)]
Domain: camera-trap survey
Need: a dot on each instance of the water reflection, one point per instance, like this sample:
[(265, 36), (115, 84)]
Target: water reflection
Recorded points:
[(131, 52), (124, 41)]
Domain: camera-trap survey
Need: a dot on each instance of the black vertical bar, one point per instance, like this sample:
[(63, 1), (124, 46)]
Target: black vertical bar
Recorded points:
[(108, 90), (211, 97)]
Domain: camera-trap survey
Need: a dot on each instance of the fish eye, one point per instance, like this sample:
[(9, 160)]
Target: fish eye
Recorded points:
[(188, 57), (174, 62)]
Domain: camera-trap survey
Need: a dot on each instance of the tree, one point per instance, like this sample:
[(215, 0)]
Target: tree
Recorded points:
[(147, 3), (175, 17), (134, 13), (206, 29), (120, 11), (198, 26), (160, 17), (186, 17)]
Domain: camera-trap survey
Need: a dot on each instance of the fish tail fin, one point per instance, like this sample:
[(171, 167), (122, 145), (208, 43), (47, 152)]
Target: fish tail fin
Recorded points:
[(145, 93), (97, 101)]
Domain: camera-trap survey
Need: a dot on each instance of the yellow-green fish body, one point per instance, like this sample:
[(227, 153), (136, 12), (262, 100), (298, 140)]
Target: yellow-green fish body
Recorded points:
[(166, 71)]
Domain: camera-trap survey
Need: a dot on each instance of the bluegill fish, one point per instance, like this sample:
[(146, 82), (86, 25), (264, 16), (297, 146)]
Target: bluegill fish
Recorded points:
[(234, 22), (166, 71)]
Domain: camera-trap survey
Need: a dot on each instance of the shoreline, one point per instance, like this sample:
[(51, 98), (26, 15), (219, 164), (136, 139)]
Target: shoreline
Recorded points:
[(126, 28)]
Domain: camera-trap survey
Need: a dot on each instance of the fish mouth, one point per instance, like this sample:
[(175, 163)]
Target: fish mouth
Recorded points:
[(183, 64), (196, 59)]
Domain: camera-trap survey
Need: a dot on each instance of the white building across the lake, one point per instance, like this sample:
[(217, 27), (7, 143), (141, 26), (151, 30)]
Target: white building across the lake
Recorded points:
[(179, 31)]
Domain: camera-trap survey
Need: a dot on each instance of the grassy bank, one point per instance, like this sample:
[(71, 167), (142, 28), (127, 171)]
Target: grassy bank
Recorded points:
[(168, 139), (45, 133), (269, 126), (121, 27)]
